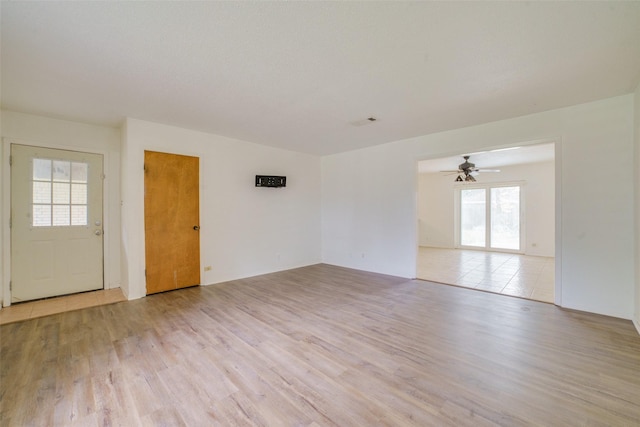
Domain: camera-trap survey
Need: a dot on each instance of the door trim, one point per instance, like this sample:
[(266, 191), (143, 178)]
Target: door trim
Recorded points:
[(557, 141), (5, 215)]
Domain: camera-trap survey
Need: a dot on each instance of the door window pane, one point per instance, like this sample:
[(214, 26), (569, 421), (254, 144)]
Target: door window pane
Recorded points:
[(79, 194), (41, 170), (61, 171), (79, 172), (59, 193), (41, 215), (41, 192), (473, 217), (78, 215), (61, 215), (505, 218)]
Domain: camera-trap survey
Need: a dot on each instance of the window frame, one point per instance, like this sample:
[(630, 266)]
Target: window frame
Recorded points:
[(52, 203)]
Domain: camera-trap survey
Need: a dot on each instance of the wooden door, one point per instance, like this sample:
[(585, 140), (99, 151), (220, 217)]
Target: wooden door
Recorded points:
[(56, 230), (172, 221)]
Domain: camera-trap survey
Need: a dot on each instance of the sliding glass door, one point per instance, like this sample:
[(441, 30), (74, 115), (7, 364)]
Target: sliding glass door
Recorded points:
[(473, 217), (490, 217), (505, 218)]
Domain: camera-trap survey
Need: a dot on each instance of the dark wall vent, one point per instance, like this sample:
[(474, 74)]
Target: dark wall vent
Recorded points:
[(271, 181)]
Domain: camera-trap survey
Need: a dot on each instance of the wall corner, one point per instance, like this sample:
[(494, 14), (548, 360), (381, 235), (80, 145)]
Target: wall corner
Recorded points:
[(636, 136)]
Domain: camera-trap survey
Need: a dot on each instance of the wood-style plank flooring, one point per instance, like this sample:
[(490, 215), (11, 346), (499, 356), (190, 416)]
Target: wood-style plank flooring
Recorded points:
[(321, 346)]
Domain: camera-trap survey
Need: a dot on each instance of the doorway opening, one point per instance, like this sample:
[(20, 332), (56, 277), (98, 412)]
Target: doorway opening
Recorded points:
[(494, 232)]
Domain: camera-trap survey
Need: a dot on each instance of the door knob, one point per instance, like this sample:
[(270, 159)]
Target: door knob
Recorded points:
[(196, 227), (98, 232)]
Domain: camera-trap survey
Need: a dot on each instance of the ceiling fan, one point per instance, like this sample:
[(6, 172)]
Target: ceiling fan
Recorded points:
[(469, 170)]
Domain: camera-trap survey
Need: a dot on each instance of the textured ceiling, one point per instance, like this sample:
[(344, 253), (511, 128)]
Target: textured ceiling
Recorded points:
[(304, 76)]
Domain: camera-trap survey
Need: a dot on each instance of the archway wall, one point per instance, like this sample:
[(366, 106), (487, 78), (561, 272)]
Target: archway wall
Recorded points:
[(369, 199)]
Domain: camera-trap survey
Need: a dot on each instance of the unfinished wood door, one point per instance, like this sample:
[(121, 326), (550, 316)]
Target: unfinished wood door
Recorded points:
[(171, 221)]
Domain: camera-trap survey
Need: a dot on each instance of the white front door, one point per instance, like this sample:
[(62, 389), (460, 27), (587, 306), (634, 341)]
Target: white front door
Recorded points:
[(56, 222)]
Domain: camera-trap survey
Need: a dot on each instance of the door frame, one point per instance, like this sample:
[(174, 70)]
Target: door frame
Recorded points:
[(6, 210), (132, 210), (146, 177), (557, 142)]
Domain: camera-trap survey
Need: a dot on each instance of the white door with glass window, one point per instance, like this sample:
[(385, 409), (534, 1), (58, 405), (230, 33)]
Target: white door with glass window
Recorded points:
[(490, 218), (56, 222)]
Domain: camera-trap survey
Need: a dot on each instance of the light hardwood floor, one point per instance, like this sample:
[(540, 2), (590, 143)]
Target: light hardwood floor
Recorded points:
[(321, 346)]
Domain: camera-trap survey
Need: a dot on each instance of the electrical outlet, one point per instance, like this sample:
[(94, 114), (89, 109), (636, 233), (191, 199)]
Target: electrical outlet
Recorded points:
[(207, 268)]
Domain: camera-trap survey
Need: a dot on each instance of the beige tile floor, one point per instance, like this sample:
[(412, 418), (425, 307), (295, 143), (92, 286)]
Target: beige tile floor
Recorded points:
[(522, 276), (45, 307)]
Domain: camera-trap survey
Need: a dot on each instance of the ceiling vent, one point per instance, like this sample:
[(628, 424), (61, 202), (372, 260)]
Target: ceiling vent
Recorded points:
[(363, 122)]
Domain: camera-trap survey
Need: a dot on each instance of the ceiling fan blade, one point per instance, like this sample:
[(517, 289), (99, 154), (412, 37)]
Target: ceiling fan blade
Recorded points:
[(487, 170)]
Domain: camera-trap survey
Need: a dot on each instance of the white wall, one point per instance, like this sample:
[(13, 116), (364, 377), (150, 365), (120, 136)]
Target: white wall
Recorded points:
[(637, 197), (370, 215), (436, 210), (4, 220), (245, 230), (436, 214), (369, 198), (46, 132)]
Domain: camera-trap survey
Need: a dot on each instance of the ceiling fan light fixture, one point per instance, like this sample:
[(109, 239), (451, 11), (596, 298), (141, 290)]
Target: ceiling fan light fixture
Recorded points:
[(459, 179), (469, 178)]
